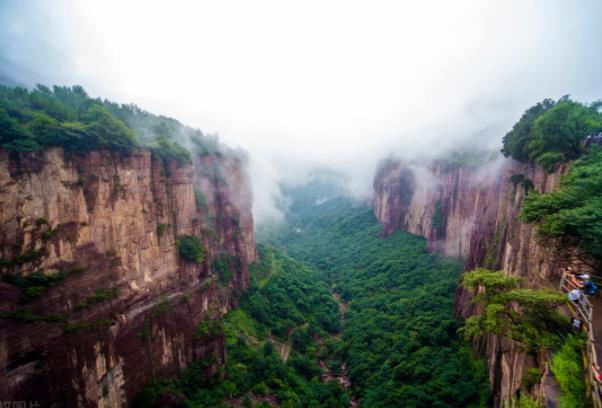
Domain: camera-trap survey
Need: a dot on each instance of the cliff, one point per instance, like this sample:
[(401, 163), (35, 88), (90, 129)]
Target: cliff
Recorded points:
[(471, 211), (96, 299)]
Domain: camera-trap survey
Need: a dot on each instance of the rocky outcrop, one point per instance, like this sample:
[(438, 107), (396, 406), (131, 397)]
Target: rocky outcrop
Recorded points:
[(96, 299), (472, 212)]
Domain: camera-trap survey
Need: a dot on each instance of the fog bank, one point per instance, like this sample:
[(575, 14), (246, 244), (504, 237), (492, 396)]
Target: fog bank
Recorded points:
[(338, 84)]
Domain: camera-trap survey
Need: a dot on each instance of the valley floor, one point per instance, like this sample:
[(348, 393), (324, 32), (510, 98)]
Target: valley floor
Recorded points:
[(337, 316)]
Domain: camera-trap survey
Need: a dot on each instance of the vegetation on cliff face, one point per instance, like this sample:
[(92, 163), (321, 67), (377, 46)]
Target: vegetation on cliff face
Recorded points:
[(437, 218), (529, 316), (551, 132), (272, 351), (191, 248), (572, 215), (568, 371), (397, 343)]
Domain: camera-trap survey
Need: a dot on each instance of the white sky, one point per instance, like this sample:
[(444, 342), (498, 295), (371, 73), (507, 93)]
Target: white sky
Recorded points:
[(313, 83)]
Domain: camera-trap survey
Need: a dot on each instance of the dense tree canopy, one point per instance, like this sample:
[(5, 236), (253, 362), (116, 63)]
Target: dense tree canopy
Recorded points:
[(516, 141), (552, 132), (33, 120), (399, 334), (64, 117), (526, 315)]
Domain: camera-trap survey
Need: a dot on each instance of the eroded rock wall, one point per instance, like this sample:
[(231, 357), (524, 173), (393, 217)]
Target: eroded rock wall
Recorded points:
[(117, 304), (472, 212)]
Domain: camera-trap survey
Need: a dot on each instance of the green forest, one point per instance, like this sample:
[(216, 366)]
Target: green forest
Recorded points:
[(399, 334), (395, 345), (67, 117), (272, 351)]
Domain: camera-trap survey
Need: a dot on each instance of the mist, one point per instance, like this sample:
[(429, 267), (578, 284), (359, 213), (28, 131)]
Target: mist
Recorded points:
[(315, 84)]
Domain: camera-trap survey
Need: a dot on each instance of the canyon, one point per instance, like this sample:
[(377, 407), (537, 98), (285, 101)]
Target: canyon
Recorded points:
[(100, 301), (471, 211)]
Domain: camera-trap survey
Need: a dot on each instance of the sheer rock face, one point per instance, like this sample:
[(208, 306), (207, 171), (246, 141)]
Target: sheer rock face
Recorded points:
[(124, 304), (479, 223)]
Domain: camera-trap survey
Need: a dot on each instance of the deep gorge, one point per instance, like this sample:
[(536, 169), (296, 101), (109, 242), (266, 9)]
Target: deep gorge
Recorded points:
[(130, 269)]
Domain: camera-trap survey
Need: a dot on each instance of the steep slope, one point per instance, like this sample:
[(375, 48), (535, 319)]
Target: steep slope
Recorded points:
[(471, 211), (275, 338), (96, 298)]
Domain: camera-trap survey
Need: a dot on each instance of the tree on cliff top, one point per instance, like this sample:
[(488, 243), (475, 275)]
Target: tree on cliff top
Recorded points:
[(528, 316), (66, 117), (551, 132), (516, 141), (571, 216)]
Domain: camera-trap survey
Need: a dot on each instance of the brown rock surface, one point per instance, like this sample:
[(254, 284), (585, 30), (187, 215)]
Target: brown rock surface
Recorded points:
[(480, 224), (126, 305)]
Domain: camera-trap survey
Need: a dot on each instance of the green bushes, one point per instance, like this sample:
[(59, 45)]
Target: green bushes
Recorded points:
[(524, 401), (99, 295), (568, 371), (572, 214), (552, 132), (161, 228), (168, 150), (35, 284), (437, 216), (538, 325), (516, 178), (30, 255), (225, 266), (520, 179), (531, 377), (191, 248), (200, 199), (209, 329), (72, 328)]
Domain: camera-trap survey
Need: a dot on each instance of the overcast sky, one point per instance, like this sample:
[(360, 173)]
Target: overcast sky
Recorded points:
[(314, 83)]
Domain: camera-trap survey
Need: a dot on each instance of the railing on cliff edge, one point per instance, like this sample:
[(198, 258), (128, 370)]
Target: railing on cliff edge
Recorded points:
[(584, 311)]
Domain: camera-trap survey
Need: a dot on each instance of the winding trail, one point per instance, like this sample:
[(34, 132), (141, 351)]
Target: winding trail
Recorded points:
[(285, 348), (342, 376)]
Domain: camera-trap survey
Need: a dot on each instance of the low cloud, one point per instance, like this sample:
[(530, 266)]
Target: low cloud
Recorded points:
[(315, 84)]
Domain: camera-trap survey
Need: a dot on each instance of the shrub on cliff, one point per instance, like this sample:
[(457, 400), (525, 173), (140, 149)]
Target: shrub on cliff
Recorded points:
[(572, 215), (168, 150), (528, 316), (568, 371), (437, 217), (552, 132), (191, 248)]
